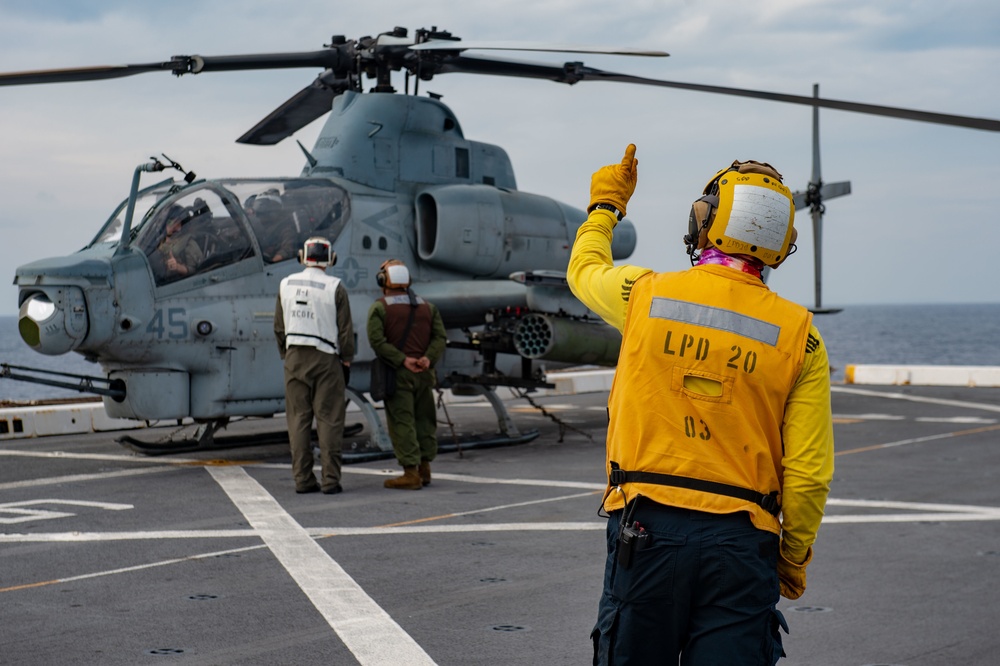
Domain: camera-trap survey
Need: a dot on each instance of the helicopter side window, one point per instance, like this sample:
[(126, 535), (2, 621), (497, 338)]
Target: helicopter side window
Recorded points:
[(283, 214), (190, 235), (273, 225), (111, 232), (319, 209)]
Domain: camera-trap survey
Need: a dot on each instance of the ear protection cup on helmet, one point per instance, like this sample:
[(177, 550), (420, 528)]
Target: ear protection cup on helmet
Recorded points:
[(382, 277), (701, 213), (698, 220)]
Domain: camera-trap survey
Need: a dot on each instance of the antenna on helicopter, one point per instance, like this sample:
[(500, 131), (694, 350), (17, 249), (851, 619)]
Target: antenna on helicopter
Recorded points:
[(309, 156), (189, 176)]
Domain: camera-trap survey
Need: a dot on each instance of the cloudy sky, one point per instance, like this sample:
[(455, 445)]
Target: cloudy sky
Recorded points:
[(920, 227)]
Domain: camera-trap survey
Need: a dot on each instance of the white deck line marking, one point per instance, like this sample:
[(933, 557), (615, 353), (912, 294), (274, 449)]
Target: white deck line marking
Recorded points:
[(546, 483), (181, 462), (871, 417), (110, 506), (138, 567), (911, 518), (912, 506), (319, 532), (501, 507), (966, 514), (128, 536), (119, 457), (901, 442), (162, 563), (25, 515), (927, 512), (916, 398), (73, 478), (315, 532), (371, 635)]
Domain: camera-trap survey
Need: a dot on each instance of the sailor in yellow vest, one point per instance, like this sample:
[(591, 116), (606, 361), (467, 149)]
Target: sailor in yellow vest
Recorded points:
[(720, 441), (315, 333)]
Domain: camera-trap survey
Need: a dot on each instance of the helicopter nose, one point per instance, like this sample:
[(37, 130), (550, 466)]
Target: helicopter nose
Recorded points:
[(53, 327)]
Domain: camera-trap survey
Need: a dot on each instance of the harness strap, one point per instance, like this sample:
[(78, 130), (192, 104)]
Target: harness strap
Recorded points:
[(767, 502), (315, 337)]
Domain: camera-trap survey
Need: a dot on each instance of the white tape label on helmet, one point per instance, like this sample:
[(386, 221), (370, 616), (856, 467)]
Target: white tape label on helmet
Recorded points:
[(759, 216), (398, 274)]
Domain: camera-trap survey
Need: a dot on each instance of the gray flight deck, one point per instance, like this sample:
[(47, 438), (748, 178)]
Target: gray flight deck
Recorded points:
[(110, 557)]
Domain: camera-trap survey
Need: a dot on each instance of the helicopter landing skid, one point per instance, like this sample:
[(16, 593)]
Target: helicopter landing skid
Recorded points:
[(360, 453), (379, 446), (191, 445), (205, 440)]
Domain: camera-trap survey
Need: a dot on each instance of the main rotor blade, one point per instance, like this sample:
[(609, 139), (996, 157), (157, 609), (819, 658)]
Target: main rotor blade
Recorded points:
[(573, 72), (194, 64), (298, 111), (987, 124), (462, 45), (331, 58), (80, 73), (497, 67)]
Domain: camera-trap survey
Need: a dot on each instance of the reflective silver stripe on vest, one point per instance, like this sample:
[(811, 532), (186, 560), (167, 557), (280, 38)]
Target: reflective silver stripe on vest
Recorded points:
[(709, 317), (300, 282), (401, 299)]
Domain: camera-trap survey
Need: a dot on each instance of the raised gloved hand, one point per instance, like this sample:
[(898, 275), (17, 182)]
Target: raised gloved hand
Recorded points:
[(792, 576), (615, 183)]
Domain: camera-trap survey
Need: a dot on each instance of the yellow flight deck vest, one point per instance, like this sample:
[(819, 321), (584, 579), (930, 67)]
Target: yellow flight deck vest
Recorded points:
[(709, 356)]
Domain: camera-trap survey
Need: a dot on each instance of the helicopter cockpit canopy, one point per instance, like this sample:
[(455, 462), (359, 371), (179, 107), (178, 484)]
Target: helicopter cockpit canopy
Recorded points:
[(191, 233), (284, 213), (111, 232), (215, 223)]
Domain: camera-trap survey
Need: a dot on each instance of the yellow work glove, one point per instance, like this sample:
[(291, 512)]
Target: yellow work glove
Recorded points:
[(792, 576), (615, 183)]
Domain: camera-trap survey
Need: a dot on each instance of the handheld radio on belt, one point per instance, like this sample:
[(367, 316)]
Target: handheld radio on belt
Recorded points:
[(631, 536)]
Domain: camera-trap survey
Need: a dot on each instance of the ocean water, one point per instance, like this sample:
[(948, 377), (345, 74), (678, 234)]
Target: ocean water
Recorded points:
[(963, 334), (894, 334)]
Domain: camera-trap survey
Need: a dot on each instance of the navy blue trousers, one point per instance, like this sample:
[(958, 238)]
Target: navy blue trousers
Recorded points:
[(703, 592)]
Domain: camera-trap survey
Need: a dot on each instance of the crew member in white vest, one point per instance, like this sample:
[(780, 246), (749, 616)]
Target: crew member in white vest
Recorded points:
[(312, 323)]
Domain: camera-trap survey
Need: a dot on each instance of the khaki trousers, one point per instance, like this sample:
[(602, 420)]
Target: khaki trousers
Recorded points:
[(314, 388)]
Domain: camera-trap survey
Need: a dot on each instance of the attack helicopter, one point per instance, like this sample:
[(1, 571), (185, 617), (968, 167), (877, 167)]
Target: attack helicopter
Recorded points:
[(391, 175)]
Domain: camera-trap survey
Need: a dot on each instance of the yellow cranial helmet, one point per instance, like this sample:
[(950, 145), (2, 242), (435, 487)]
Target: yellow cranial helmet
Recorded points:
[(745, 209)]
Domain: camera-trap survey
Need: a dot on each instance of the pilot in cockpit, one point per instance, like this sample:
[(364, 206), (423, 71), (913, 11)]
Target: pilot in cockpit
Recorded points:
[(275, 231), (178, 253)]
